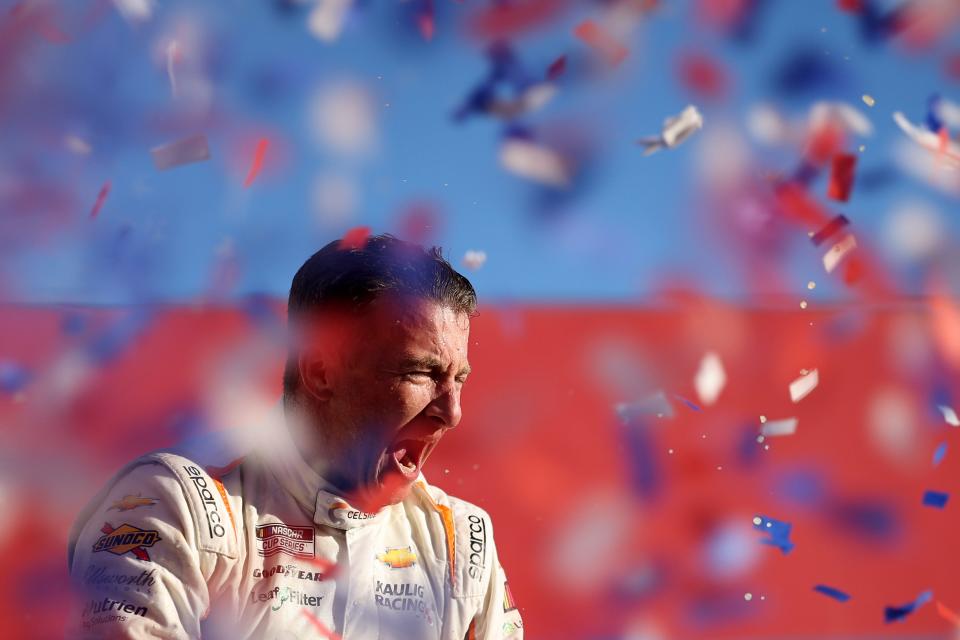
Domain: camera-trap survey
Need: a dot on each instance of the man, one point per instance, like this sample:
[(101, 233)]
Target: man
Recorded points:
[(332, 530)]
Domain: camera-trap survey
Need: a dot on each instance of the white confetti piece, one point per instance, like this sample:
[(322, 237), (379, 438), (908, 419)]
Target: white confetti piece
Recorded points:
[(868, 100), (837, 252), (327, 19), (656, 405), (474, 259), (947, 112), (949, 415), (173, 55), (134, 10), (839, 114), (802, 386), (785, 427), (534, 162), (710, 378), (929, 140), (77, 145), (185, 151), (676, 129)]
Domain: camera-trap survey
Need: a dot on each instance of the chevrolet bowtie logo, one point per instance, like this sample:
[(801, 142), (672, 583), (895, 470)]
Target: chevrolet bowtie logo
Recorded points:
[(398, 558)]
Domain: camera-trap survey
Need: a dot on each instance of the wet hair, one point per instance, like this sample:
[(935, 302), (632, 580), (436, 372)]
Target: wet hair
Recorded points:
[(348, 279)]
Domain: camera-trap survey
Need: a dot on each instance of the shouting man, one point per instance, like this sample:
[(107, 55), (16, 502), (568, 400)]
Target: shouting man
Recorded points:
[(331, 530)]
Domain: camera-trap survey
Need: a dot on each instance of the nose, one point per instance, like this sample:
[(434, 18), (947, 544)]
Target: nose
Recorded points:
[(445, 407)]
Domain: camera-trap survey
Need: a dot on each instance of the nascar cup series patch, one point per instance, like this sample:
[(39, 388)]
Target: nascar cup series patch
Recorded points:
[(280, 538), (126, 539)]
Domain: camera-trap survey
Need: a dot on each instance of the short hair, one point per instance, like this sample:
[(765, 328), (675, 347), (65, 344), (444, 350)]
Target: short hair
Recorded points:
[(349, 278)]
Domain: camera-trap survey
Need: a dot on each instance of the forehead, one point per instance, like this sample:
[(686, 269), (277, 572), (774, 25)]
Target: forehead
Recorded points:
[(394, 325)]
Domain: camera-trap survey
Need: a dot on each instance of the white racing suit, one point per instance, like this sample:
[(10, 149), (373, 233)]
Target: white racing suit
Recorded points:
[(184, 545)]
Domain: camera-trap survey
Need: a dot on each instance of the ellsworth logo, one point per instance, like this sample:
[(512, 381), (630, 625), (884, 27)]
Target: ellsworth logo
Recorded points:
[(126, 539), (398, 558)]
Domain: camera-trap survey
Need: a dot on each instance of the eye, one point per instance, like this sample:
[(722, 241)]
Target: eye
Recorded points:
[(417, 375)]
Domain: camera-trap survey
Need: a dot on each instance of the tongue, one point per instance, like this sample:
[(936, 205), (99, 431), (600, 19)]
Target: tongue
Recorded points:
[(405, 464)]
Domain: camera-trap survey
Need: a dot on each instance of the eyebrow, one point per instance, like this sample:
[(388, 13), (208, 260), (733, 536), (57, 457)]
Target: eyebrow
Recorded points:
[(429, 362)]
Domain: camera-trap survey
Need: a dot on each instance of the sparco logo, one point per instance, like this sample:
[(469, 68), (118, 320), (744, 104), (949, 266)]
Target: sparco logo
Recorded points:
[(478, 546), (209, 502)]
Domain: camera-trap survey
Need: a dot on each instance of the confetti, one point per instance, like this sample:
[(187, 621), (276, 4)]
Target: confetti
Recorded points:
[(77, 145), (829, 230), (949, 415), (474, 259), (841, 116), (702, 75), (928, 139), (501, 20), (319, 626), (676, 129), (841, 176), (556, 68), (527, 159), (181, 152), (837, 252), (778, 532), (327, 18), (134, 11), (687, 402), (258, 155), (947, 614), (655, 405), (425, 19), (601, 41), (868, 100), (836, 594), (894, 613), (940, 453), (802, 386), (355, 238), (13, 377), (784, 427), (936, 499), (710, 378), (101, 198), (173, 56)]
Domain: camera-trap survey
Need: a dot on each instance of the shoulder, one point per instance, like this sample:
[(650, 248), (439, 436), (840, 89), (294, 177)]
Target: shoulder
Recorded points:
[(470, 540), (186, 487)]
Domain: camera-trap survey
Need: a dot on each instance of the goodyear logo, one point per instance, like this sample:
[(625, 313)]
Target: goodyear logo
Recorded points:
[(126, 539), (398, 558)]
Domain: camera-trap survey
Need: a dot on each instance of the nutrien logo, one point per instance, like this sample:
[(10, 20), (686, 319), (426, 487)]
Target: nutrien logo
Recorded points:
[(280, 538), (126, 539)]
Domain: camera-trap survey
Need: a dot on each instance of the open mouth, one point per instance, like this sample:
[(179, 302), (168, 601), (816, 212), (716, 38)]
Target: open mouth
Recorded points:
[(409, 455)]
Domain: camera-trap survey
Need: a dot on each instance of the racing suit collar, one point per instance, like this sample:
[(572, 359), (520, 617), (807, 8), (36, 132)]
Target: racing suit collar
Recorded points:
[(311, 491)]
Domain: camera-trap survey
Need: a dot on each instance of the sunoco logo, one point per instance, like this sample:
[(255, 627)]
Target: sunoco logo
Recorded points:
[(209, 502), (478, 546), (126, 539)]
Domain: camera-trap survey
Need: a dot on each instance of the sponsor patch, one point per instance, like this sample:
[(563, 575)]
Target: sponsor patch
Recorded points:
[(278, 596), (509, 604), (128, 503), (97, 576), (398, 557), (478, 547), (214, 521), (403, 596), (290, 570), (281, 538), (126, 539), (107, 610)]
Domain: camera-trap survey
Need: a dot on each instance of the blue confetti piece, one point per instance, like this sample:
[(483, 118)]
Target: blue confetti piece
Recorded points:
[(935, 499), (686, 402), (778, 531), (933, 122), (939, 454), (836, 594), (894, 613), (13, 377)]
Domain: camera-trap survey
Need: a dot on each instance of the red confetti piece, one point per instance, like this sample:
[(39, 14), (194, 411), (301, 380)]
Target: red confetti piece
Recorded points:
[(602, 42), (101, 198), (830, 230), (509, 19), (425, 20), (947, 614), (557, 68), (322, 628), (824, 143), (850, 6), (952, 66), (797, 204), (355, 238), (257, 161), (701, 75), (841, 176)]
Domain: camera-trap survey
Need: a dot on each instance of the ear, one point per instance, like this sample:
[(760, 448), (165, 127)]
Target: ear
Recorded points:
[(314, 374)]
